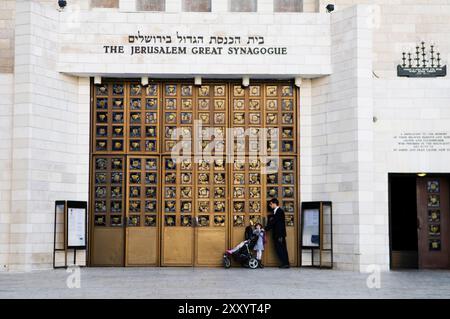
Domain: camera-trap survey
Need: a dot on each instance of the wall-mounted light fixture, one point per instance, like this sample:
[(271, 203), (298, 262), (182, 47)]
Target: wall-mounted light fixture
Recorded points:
[(98, 80), (422, 174), (198, 80), (144, 80), (298, 81), (245, 81)]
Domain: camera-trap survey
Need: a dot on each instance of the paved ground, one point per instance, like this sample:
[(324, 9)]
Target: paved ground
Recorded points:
[(220, 283)]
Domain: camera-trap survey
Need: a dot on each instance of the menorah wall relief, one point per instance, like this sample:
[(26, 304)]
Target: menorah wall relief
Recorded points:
[(422, 63)]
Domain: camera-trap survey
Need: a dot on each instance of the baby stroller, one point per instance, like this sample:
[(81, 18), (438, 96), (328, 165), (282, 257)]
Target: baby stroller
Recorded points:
[(243, 255)]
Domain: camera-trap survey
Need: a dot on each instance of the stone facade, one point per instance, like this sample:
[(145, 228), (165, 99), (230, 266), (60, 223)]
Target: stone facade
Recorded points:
[(352, 103), (6, 106), (7, 13)]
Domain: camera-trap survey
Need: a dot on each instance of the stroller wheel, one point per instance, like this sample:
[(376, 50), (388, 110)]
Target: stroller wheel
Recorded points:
[(226, 262), (253, 263)]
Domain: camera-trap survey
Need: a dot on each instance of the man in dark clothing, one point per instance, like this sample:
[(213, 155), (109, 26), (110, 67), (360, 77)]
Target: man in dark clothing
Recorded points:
[(277, 224)]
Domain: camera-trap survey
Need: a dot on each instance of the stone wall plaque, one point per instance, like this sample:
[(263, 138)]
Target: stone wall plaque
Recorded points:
[(422, 142)]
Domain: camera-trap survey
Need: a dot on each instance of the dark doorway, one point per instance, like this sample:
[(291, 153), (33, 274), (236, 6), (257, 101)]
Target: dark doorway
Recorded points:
[(419, 219), (403, 221)]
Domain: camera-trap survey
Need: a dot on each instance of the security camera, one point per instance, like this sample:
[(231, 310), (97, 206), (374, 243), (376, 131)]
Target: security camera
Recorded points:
[(62, 4), (330, 8)]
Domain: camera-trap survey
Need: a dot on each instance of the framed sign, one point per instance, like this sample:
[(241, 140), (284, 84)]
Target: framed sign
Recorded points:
[(76, 227), (317, 235), (311, 230), (70, 230), (76, 222)]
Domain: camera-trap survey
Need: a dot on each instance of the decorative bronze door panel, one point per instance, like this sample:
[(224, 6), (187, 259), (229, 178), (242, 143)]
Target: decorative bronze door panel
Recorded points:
[(143, 118), (109, 118), (211, 211), (211, 192), (211, 112), (107, 205), (143, 211), (281, 113), (281, 183), (433, 222), (183, 105), (247, 118), (271, 174), (247, 196), (126, 121), (177, 213), (150, 208), (177, 115)]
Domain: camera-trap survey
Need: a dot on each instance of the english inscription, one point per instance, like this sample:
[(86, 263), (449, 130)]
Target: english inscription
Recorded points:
[(422, 142), (141, 44)]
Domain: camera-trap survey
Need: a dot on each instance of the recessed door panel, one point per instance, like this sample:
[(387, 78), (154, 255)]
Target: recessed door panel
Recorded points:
[(142, 246), (143, 211), (107, 249), (246, 195), (107, 207), (280, 183), (143, 121), (211, 242), (178, 210), (291, 245), (270, 254), (177, 117), (211, 211), (211, 174), (263, 117), (433, 223), (178, 246), (109, 118)]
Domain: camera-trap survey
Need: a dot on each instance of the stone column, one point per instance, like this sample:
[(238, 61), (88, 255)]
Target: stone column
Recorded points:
[(45, 133)]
